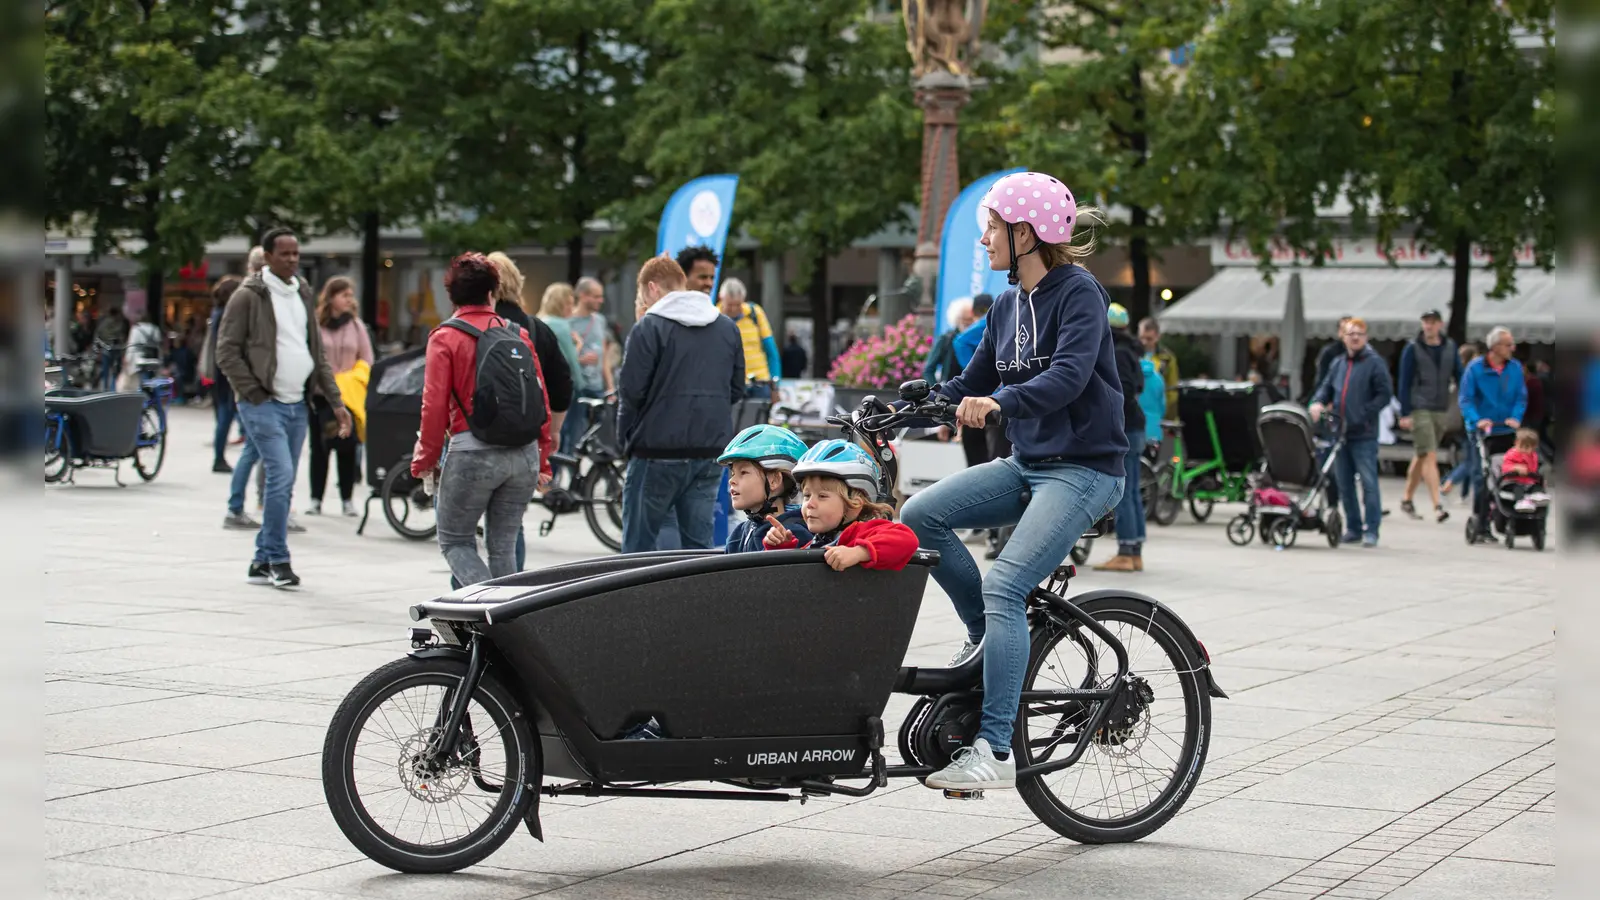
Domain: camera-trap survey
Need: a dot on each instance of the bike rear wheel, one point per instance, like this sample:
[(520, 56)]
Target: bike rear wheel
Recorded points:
[(602, 495), (152, 449), (1130, 780), (1165, 509), (405, 813), (406, 506), (55, 450)]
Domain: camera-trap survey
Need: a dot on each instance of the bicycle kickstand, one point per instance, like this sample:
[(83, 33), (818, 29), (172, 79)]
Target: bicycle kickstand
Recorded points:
[(547, 525)]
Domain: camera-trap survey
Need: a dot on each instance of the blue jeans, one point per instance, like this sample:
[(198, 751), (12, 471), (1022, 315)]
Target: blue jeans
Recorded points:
[(1130, 509), (226, 409), (656, 490), (1066, 499), (1467, 473), (278, 431), (248, 457), (1359, 459), (758, 391)]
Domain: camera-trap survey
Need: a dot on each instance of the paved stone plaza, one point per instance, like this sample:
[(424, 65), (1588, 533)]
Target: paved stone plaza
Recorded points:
[(1391, 732)]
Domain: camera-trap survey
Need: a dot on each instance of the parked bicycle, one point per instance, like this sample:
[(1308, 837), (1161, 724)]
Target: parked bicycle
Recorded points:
[(99, 429)]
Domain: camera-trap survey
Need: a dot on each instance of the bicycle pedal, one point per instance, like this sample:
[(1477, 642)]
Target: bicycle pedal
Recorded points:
[(962, 795)]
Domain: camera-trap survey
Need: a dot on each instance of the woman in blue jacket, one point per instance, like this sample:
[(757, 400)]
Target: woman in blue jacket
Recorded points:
[(1046, 364)]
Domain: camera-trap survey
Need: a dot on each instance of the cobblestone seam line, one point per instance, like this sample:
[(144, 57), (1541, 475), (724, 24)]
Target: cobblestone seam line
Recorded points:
[(1373, 866)]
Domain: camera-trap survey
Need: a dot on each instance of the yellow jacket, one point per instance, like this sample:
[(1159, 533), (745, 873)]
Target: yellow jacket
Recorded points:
[(353, 388)]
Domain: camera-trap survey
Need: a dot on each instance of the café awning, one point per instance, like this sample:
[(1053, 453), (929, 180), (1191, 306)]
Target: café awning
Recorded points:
[(1236, 301)]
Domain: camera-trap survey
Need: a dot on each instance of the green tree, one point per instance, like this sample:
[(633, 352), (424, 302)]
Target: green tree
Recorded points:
[(343, 115), (808, 101), (542, 100), (1088, 92), (128, 132), (1434, 122)]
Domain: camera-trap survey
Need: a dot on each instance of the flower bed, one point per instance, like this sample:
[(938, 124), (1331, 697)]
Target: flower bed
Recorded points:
[(883, 361)]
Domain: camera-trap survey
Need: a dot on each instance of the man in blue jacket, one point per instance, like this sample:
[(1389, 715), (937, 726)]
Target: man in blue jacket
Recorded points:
[(682, 371), (1356, 389), (1493, 395)]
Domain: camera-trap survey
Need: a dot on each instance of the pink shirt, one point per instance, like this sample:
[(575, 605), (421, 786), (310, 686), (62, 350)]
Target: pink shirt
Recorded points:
[(345, 344), (1526, 458)]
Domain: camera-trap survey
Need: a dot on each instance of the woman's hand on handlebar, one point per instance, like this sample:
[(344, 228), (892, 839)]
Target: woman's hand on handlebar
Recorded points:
[(974, 411), (777, 536)]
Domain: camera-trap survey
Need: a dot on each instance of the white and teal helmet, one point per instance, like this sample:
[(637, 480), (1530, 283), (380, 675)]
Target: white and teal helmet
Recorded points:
[(768, 446), (842, 460)]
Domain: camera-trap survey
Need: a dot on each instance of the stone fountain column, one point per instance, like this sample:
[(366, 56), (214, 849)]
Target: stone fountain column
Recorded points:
[(941, 95)]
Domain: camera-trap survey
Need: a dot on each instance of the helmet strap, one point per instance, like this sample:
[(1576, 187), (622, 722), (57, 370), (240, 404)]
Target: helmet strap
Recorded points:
[(1011, 244)]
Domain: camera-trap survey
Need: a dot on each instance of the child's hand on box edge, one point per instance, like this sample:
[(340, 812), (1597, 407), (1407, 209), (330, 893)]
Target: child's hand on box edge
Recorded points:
[(841, 558)]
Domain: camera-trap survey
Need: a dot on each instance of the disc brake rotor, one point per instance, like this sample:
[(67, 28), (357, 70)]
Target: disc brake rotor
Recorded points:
[(429, 781)]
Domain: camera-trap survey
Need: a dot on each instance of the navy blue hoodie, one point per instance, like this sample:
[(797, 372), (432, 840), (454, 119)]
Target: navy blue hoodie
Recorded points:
[(747, 535), (1047, 359)]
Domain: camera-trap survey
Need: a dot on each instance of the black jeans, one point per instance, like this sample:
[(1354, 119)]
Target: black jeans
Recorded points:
[(344, 449)]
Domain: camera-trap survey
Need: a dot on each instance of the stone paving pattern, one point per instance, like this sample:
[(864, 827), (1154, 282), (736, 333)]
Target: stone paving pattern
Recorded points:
[(1391, 732)]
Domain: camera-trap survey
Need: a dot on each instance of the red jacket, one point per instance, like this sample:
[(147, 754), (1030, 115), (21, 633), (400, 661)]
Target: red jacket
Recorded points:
[(890, 543), (451, 374), (1525, 458)]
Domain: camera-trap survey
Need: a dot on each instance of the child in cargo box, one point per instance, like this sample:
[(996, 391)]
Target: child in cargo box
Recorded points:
[(760, 460), (838, 481)]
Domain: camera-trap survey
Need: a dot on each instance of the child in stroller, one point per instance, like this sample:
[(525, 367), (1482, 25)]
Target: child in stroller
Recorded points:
[(1519, 474)]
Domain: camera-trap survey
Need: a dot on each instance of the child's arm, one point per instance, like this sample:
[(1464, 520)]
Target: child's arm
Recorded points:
[(877, 544)]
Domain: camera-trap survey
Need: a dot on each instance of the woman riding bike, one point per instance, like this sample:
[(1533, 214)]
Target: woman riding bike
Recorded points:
[(1047, 365)]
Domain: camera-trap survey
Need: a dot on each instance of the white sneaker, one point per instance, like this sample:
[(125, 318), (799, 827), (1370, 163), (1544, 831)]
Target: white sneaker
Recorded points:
[(1526, 505), (965, 653), (348, 509), (315, 509), (975, 769), (1539, 498)]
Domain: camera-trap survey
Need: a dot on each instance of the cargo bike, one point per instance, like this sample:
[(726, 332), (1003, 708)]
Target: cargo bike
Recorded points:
[(768, 675)]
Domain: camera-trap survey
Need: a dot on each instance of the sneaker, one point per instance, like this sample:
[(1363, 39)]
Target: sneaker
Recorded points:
[(259, 573), (221, 467), (240, 521), (1369, 541), (975, 769), (1539, 498), (283, 576), (1526, 504), (1350, 537), (965, 653), (1410, 509), (648, 730), (315, 509), (347, 509), (295, 527)]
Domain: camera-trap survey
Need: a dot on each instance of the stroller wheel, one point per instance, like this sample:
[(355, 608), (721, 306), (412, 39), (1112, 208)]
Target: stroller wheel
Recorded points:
[(1283, 532), (1241, 530), (1511, 541), (1472, 529), (1333, 527), (1538, 539)]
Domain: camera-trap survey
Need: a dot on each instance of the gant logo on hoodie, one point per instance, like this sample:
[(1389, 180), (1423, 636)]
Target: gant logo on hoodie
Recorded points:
[(1022, 338)]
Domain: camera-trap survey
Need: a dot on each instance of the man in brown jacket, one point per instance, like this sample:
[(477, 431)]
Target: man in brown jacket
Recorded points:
[(270, 349)]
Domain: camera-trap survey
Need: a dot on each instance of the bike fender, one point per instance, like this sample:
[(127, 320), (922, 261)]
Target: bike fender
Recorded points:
[(1085, 601), (439, 652)]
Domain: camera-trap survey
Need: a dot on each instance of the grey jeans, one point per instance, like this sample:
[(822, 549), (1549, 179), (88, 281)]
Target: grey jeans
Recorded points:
[(495, 483)]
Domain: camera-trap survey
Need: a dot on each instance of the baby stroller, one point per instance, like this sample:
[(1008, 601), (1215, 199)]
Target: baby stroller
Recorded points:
[(1494, 509), (394, 414), (1291, 452)]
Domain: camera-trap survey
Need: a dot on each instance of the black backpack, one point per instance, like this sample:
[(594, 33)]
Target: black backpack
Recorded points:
[(507, 401)]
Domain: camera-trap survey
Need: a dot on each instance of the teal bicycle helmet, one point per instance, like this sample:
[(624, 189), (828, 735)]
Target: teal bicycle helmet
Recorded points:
[(768, 446), (842, 460)]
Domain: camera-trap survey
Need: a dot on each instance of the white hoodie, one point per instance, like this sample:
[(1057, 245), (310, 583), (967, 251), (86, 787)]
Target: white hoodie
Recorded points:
[(690, 308)]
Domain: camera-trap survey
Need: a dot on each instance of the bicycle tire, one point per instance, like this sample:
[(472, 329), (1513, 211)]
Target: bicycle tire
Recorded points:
[(398, 487), (56, 462), (1167, 505), (602, 490), (1201, 507), (150, 428), (1036, 791), (342, 790)]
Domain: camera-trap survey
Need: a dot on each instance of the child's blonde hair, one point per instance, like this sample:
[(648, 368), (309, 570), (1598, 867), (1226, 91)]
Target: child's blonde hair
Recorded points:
[(855, 499), (1527, 439)]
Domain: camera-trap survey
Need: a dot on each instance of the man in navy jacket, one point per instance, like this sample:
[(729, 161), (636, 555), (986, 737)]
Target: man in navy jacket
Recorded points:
[(1356, 390)]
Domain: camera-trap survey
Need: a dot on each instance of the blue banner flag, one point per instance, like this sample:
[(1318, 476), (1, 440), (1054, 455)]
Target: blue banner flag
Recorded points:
[(697, 215), (963, 263)]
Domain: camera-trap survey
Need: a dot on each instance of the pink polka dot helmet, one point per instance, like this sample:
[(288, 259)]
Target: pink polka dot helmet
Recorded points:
[(1038, 200)]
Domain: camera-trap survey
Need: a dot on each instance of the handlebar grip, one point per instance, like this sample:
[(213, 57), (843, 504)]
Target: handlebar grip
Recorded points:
[(992, 419)]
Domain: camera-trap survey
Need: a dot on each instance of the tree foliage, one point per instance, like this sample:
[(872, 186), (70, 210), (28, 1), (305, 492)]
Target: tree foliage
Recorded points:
[(1433, 122), (1088, 92)]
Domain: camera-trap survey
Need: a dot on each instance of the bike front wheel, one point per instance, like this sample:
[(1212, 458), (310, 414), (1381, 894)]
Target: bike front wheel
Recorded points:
[(1164, 511), (408, 812), (1131, 778), (152, 448), (602, 504)]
